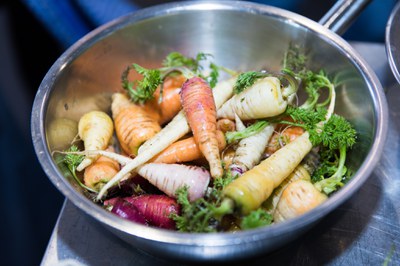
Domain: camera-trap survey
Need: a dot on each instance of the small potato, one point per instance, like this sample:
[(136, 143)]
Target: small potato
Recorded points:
[(61, 132)]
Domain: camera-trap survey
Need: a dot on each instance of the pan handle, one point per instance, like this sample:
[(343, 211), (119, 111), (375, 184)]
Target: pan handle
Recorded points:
[(342, 14)]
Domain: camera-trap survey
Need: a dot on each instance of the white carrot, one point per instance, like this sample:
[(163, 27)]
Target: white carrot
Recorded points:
[(166, 177), (95, 128), (263, 99), (174, 130), (250, 150), (170, 177)]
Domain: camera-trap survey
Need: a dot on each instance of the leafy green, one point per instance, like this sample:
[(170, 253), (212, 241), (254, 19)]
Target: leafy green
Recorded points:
[(295, 59), (257, 218), (246, 80), (71, 160), (232, 136), (141, 90), (204, 214), (176, 59), (338, 132), (212, 78)]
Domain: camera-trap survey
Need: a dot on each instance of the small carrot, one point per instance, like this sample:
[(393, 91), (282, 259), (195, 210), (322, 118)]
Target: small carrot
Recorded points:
[(250, 148), (169, 100), (199, 107), (298, 198), (173, 131), (300, 173), (100, 172), (281, 138), (95, 128), (185, 150), (166, 104), (225, 125), (133, 125)]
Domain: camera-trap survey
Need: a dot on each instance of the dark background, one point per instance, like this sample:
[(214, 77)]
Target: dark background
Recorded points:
[(30, 203)]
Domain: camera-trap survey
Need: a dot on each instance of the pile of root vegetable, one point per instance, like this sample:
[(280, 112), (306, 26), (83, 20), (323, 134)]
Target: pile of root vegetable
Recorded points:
[(181, 150)]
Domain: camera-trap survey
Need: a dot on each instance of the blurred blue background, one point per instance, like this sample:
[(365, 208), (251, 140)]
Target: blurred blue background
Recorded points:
[(33, 33)]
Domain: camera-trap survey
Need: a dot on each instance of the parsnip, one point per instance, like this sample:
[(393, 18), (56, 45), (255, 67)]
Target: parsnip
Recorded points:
[(95, 128), (263, 99), (250, 149)]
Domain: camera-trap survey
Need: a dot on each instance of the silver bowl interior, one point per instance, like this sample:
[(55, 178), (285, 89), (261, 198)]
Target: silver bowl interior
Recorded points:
[(241, 36)]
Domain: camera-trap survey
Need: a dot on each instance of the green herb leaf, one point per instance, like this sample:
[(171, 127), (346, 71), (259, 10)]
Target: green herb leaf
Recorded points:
[(246, 80), (233, 136), (256, 219), (141, 90)]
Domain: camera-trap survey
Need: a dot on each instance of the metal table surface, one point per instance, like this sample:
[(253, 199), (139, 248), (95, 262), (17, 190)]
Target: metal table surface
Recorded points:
[(365, 230)]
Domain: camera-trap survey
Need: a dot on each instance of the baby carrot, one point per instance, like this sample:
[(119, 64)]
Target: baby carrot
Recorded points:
[(199, 107), (279, 139), (185, 150), (298, 198), (170, 102), (133, 125), (101, 171)]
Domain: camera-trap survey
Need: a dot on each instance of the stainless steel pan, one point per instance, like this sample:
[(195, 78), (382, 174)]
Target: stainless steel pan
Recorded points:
[(240, 35), (392, 40)]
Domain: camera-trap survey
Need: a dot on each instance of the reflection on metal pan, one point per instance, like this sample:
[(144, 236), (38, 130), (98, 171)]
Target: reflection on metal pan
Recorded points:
[(393, 41)]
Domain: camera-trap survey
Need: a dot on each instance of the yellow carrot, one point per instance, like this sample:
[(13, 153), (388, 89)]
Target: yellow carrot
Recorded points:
[(299, 173), (95, 128), (199, 107), (251, 189)]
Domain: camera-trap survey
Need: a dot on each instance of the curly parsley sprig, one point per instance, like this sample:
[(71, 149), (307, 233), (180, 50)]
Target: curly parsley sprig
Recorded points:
[(143, 89)]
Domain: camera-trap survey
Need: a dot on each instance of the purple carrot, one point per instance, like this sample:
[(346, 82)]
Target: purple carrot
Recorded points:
[(157, 209), (126, 210)]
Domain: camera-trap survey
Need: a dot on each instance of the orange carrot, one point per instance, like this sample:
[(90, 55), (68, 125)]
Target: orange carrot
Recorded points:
[(185, 150), (282, 138), (170, 103), (199, 107), (101, 171), (133, 125), (226, 125)]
